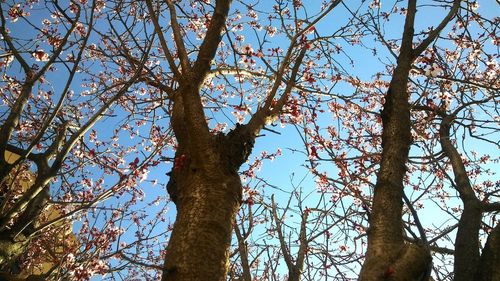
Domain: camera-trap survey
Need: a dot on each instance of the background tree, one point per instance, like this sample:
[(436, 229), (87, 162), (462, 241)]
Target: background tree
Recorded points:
[(55, 88), (387, 254), (444, 76)]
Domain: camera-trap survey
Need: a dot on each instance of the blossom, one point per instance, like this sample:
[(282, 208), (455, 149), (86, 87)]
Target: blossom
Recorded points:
[(6, 61), (15, 12), (433, 70), (271, 30), (252, 14), (473, 5), (40, 55), (100, 5), (375, 4), (247, 49)]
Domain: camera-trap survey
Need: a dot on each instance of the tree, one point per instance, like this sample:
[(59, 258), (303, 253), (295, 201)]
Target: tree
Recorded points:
[(204, 183), (53, 95), (387, 255), (447, 80), (190, 87)]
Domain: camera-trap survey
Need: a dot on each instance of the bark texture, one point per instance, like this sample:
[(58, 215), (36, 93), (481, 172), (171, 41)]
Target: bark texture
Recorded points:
[(207, 201), (388, 257), (204, 182), (206, 188)]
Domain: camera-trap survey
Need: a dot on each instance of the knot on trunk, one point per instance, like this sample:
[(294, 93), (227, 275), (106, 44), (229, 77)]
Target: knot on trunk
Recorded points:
[(235, 147), (410, 262), (413, 263), (181, 164)]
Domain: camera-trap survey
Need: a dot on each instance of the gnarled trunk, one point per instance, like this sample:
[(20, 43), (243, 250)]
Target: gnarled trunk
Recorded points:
[(206, 189)]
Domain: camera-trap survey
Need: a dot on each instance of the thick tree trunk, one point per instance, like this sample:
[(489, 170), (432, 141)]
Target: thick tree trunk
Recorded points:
[(466, 256), (207, 202), (206, 188), (388, 257)]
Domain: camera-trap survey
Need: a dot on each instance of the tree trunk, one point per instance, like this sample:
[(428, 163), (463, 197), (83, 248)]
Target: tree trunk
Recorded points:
[(207, 192), (207, 202), (466, 257), (489, 265), (387, 256)]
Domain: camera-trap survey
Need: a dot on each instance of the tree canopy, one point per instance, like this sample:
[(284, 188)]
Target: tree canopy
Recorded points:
[(249, 140)]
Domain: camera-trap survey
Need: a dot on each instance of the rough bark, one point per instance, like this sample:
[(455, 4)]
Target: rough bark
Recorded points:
[(207, 201), (206, 188), (15, 232)]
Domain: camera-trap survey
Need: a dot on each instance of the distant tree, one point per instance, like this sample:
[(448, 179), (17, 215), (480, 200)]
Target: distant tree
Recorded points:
[(303, 239)]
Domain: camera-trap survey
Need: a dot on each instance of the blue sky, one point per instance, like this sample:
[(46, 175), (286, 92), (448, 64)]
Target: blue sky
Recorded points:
[(289, 166)]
